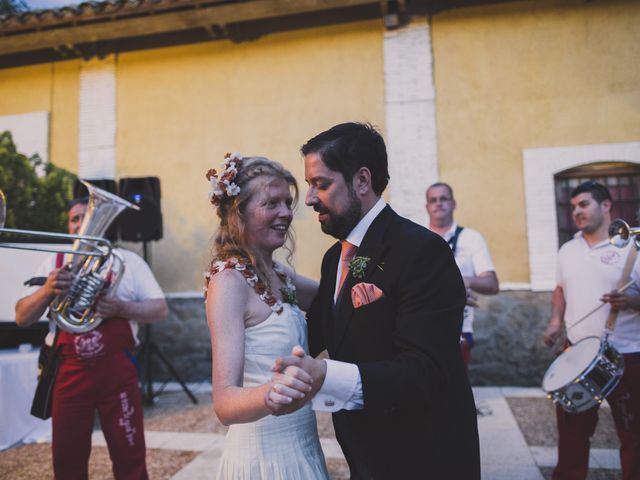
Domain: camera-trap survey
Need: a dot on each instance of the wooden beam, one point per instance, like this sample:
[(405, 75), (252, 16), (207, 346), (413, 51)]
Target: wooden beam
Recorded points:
[(168, 22)]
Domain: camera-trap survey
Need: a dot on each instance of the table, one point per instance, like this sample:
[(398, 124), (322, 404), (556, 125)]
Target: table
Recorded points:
[(18, 379)]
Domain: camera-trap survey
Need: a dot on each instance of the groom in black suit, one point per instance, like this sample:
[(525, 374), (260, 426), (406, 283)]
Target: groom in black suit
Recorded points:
[(390, 317)]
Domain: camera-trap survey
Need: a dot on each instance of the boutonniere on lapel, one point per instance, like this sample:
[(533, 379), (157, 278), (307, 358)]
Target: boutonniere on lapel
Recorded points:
[(358, 265)]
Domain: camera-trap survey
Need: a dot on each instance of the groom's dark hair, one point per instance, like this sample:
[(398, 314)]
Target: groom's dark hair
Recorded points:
[(347, 147)]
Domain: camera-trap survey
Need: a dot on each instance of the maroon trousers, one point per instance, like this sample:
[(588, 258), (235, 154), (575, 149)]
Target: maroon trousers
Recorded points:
[(576, 429), (96, 374), (466, 344)]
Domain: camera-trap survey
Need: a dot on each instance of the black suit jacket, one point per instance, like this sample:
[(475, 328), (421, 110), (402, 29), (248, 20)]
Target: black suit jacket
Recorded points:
[(419, 418)]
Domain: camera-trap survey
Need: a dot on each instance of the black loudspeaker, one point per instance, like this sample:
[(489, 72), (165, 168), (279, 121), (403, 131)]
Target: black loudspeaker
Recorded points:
[(79, 191), (146, 224)]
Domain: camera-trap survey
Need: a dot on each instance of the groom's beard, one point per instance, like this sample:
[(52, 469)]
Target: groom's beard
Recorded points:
[(339, 225)]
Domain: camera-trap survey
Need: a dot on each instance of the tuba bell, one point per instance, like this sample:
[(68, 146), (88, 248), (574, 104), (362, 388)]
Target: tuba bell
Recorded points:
[(97, 268)]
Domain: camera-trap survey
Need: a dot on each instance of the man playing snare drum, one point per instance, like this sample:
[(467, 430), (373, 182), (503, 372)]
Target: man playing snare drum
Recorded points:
[(588, 267)]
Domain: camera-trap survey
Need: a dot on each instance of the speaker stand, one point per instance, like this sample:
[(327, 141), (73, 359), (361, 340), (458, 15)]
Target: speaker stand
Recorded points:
[(146, 353), (145, 357)]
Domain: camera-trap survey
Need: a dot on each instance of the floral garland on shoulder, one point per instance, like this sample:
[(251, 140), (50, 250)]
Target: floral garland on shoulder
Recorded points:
[(250, 275)]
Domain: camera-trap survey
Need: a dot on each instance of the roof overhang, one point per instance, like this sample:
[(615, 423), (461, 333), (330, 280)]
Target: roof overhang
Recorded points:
[(97, 28), (214, 16)]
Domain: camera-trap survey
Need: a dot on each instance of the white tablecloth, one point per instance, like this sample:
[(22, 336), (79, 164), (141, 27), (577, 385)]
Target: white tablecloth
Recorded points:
[(18, 372)]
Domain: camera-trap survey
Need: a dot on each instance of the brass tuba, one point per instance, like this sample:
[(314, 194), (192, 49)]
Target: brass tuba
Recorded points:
[(96, 266)]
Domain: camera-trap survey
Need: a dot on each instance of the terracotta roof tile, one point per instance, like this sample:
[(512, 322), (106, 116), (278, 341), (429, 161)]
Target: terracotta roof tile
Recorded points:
[(92, 11)]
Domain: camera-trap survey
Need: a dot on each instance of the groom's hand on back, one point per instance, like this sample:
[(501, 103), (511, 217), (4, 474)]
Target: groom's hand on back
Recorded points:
[(300, 372)]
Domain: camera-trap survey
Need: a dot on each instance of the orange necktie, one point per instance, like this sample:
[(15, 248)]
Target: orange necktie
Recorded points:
[(348, 252)]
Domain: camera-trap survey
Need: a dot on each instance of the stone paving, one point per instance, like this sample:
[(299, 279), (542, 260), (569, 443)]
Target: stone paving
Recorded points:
[(505, 453)]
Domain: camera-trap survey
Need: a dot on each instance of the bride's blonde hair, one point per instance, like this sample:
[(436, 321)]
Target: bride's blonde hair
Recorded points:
[(230, 239)]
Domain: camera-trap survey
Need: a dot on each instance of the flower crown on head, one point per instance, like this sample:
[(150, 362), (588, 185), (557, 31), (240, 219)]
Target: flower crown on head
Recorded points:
[(223, 186)]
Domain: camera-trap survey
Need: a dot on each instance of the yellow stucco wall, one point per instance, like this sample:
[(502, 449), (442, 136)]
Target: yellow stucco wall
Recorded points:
[(180, 109), (526, 75), (508, 77), (50, 88)]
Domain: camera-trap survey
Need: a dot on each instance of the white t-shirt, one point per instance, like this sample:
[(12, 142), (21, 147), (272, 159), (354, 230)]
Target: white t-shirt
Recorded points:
[(137, 284), (585, 274), (473, 258)]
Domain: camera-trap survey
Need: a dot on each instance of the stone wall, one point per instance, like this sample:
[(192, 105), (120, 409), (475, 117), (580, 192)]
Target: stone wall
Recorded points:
[(508, 331), (184, 340), (508, 340)]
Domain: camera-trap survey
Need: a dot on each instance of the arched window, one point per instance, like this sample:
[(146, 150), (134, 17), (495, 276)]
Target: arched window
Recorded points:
[(621, 178)]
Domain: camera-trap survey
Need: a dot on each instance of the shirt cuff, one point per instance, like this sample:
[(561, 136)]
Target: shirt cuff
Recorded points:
[(342, 388)]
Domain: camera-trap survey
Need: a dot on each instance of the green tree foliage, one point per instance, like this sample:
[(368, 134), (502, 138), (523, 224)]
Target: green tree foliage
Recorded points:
[(11, 7), (33, 202)]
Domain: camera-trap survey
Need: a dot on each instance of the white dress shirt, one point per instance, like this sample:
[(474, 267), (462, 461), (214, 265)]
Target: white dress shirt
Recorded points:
[(342, 387)]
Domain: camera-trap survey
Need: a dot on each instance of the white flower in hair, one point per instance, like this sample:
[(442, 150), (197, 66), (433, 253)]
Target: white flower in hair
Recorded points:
[(223, 185), (233, 190), (216, 191)]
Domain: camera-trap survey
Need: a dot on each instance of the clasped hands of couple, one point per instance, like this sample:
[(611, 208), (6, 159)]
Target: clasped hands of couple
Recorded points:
[(295, 381)]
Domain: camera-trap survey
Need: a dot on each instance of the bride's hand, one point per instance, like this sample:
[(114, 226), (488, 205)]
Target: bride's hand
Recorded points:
[(300, 361), (287, 393), (294, 383), (289, 387)]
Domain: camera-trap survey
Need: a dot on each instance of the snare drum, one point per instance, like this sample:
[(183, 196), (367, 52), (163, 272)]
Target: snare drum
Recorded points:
[(583, 375)]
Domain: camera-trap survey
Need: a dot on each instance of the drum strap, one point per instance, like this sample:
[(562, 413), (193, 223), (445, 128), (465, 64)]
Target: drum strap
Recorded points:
[(624, 280)]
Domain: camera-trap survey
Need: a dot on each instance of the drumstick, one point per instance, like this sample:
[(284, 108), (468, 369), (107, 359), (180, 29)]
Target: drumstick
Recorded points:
[(619, 290), (626, 275)]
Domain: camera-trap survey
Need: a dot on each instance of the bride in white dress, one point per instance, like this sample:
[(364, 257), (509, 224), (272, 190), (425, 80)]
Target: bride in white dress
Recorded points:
[(253, 311)]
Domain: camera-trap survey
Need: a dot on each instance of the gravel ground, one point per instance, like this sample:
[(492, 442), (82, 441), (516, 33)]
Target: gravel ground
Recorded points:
[(174, 411), (594, 474), (33, 461), (537, 420)]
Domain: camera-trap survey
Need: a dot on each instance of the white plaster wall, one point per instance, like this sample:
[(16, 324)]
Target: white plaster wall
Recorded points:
[(540, 165), (30, 132), (16, 266), (97, 135), (410, 118)]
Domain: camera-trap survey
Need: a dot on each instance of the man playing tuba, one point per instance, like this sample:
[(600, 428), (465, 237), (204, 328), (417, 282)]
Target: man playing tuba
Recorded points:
[(96, 371)]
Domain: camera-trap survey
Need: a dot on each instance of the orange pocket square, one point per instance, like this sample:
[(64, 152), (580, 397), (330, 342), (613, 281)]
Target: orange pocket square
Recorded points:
[(364, 294)]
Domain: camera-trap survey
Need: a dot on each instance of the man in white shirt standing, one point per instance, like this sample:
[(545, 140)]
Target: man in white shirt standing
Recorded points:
[(588, 270), (471, 254)]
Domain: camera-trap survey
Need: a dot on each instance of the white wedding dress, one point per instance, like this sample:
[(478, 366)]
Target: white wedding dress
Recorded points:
[(286, 447)]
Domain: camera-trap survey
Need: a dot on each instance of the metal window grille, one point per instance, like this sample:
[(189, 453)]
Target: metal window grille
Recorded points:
[(623, 181)]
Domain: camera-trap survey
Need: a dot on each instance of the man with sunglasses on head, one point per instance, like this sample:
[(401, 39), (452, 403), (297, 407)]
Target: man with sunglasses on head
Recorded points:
[(589, 266), (471, 254)]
